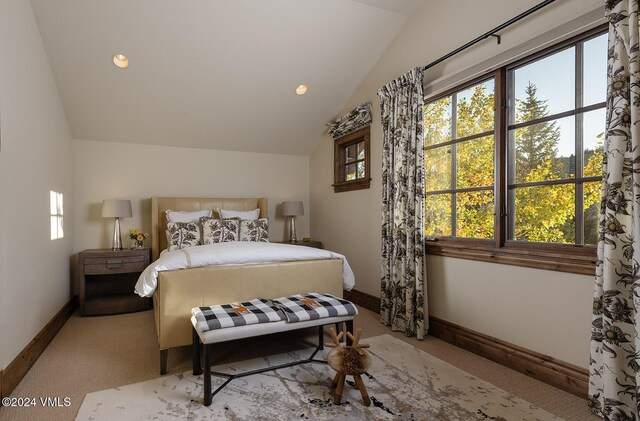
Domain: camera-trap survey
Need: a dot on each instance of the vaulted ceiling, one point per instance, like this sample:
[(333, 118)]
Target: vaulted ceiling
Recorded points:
[(218, 74)]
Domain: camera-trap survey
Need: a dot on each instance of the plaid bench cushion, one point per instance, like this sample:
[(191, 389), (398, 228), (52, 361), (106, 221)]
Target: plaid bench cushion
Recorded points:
[(236, 314), (312, 306)]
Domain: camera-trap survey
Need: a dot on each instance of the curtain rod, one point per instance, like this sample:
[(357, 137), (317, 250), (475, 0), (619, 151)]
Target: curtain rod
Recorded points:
[(491, 33)]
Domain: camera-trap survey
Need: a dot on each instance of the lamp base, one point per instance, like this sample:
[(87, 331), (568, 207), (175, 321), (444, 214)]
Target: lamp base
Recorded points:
[(117, 238), (292, 230)]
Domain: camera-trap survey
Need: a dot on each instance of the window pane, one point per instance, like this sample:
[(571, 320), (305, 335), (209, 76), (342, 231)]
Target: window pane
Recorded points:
[(474, 160), (360, 169), (350, 172), (595, 70), (593, 138), (437, 213), (592, 194), (437, 174), (437, 121), (360, 150), (544, 213), (350, 153), (543, 151), (474, 214), (544, 87), (475, 110)]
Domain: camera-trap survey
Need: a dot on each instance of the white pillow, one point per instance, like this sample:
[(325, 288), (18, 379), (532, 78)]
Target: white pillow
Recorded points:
[(175, 216), (225, 214)]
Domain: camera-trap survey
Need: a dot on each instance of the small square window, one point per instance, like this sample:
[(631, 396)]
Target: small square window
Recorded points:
[(351, 153)]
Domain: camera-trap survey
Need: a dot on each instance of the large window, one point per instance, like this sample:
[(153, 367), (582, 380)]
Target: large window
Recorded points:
[(514, 159)]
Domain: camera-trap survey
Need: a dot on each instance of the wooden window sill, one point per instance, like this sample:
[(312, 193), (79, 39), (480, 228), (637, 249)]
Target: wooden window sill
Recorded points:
[(362, 183), (582, 262)]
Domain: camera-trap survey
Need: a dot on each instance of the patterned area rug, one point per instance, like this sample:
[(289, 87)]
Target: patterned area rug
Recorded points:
[(404, 383)]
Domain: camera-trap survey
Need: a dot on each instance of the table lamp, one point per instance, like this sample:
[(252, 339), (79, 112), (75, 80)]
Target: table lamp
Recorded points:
[(292, 209), (115, 208)]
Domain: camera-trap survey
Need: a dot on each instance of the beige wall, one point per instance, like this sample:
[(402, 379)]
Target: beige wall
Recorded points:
[(548, 312), (35, 158), (105, 170), (554, 315)]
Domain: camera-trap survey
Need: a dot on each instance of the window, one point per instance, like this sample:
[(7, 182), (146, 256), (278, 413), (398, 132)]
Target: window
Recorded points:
[(56, 215), (514, 160), (351, 154), (459, 149), (556, 128)]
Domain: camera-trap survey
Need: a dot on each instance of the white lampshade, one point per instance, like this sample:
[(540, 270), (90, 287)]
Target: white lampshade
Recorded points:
[(115, 208), (292, 208)]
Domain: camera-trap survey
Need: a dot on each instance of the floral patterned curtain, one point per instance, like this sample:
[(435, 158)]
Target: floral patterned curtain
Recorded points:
[(403, 290), (614, 368)]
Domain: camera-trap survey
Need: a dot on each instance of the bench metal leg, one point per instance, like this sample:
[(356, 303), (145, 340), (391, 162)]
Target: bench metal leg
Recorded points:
[(164, 354), (339, 328), (349, 324), (320, 337), (208, 397), (197, 367)]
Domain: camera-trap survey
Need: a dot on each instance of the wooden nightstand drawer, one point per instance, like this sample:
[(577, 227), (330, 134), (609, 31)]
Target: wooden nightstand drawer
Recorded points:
[(115, 264)]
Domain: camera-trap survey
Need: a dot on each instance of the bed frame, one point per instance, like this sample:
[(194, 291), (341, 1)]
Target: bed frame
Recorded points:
[(180, 290)]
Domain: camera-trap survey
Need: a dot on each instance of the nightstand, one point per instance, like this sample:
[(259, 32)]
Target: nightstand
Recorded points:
[(107, 279), (316, 244)]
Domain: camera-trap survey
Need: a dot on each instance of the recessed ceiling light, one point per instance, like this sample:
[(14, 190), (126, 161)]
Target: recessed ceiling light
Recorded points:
[(301, 90), (120, 60)]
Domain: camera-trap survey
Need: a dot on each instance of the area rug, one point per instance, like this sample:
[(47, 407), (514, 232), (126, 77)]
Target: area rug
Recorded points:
[(403, 383)]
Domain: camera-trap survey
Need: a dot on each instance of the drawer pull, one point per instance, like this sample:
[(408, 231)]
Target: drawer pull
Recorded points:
[(114, 263)]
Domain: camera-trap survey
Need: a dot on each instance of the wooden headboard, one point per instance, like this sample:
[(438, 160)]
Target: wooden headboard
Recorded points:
[(159, 205)]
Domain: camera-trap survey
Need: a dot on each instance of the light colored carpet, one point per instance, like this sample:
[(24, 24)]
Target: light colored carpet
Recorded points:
[(403, 382), (96, 353)]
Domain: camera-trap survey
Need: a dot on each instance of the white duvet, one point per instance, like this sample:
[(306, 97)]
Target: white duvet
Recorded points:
[(235, 253)]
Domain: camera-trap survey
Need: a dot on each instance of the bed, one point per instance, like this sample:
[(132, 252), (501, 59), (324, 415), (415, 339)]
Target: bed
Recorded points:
[(177, 291)]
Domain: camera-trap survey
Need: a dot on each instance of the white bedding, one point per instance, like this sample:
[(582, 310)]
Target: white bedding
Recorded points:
[(234, 253)]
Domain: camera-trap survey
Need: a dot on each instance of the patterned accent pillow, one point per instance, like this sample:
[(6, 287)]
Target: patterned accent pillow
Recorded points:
[(211, 230), (254, 230), (220, 230), (181, 235), (231, 229)]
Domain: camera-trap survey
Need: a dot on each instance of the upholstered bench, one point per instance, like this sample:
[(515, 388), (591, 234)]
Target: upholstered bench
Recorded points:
[(222, 330)]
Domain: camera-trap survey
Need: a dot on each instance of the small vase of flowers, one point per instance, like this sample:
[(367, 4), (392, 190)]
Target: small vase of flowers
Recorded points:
[(138, 237)]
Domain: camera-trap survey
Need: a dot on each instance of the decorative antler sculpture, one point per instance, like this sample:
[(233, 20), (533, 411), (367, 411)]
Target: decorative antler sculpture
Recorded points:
[(348, 360)]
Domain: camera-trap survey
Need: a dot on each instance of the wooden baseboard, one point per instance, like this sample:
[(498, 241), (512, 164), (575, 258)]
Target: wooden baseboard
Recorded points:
[(18, 368), (363, 300), (563, 375)]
